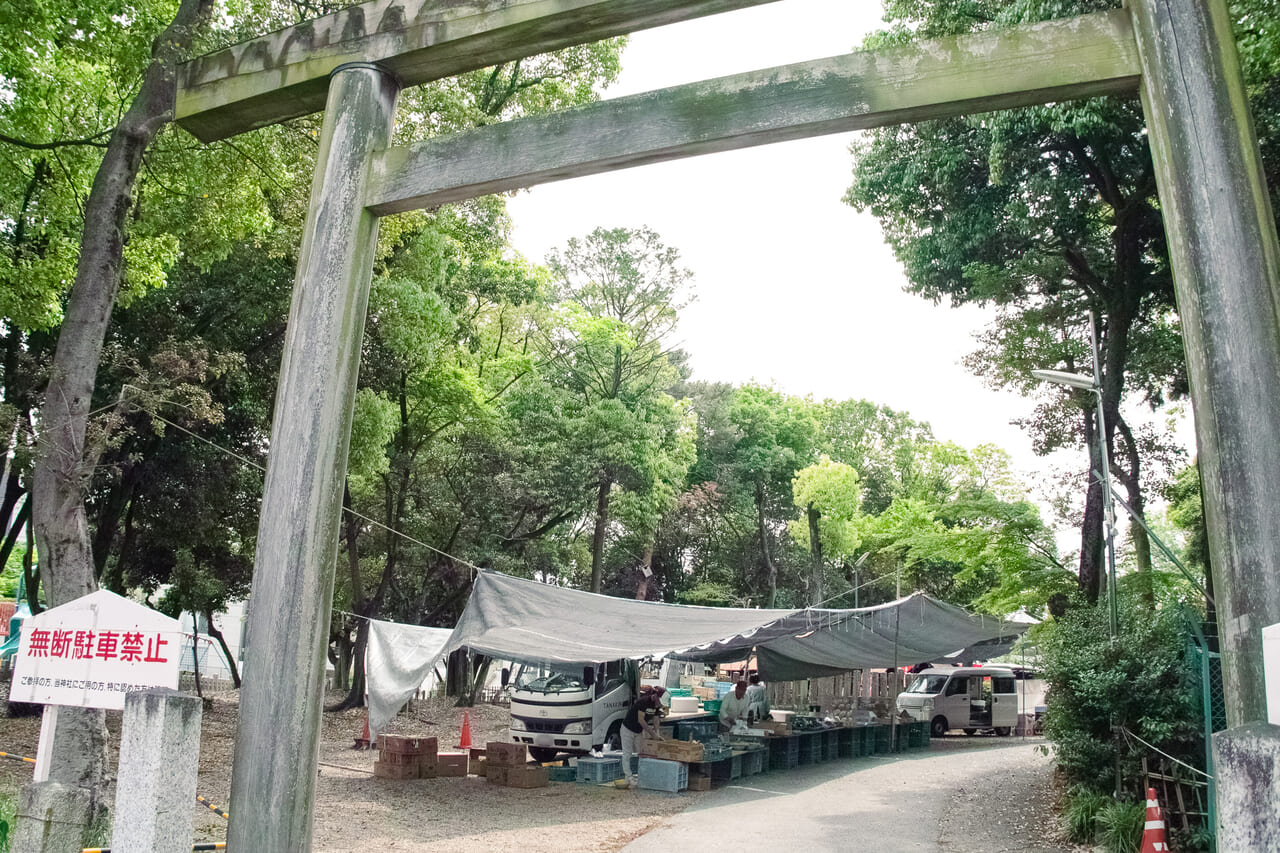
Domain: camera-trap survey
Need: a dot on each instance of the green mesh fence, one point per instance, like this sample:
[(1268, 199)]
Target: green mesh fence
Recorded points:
[(1208, 666)]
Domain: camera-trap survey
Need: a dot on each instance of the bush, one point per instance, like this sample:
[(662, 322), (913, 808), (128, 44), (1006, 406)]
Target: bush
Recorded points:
[(1120, 826), (1142, 682)]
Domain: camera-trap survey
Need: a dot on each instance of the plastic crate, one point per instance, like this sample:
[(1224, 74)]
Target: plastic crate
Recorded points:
[(659, 775), (831, 745), (754, 762), (711, 706), (784, 753), (806, 747), (597, 771), (562, 774), (699, 730), (679, 691)]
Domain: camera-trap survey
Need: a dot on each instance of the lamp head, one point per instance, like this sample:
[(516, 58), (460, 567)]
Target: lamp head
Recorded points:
[(1059, 377)]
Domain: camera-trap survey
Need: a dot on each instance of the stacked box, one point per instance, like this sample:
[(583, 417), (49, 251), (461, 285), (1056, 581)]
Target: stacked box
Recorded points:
[(500, 753), (659, 775), (597, 771), (832, 745), (402, 757), (518, 776), (451, 764), (699, 782), (784, 753)]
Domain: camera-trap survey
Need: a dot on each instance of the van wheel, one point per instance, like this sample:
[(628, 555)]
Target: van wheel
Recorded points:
[(543, 754), (969, 731), (614, 738), (939, 726), (1003, 731)]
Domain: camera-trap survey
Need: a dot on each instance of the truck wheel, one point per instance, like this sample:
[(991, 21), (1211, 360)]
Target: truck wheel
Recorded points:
[(541, 754), (614, 739), (969, 731), (939, 726), (1003, 731)]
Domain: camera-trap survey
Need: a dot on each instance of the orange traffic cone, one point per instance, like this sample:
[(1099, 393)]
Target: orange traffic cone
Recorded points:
[(465, 741), (1153, 833), (364, 742)]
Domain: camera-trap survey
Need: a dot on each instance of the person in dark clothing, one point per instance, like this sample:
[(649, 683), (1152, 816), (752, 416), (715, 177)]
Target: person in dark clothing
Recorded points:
[(641, 718)]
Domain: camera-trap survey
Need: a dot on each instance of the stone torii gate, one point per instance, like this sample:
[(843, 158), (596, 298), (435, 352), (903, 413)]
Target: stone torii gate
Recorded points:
[(1177, 55)]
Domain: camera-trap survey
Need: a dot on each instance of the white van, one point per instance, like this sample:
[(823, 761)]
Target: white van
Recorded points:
[(963, 697)]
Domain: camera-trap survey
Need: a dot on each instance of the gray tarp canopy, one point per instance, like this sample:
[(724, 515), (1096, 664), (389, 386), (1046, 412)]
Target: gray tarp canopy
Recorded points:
[(523, 620)]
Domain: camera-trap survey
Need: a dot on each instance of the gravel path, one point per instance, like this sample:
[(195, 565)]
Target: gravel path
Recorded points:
[(964, 795)]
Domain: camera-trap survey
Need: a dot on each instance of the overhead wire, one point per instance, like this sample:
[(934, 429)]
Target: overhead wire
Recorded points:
[(474, 568)]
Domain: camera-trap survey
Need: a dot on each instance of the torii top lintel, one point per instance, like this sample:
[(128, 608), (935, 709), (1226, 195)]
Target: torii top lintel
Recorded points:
[(284, 74)]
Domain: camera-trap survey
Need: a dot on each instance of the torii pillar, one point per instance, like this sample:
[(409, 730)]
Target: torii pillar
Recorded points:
[(277, 741)]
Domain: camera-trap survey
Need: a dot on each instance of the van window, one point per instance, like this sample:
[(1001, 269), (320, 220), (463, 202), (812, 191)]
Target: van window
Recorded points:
[(1004, 685), (958, 686), (927, 684)]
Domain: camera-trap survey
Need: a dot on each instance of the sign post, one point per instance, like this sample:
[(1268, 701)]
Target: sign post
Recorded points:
[(89, 653)]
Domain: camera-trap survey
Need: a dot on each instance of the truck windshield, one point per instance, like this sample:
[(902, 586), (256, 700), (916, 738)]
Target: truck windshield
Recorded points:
[(928, 684), (542, 680)]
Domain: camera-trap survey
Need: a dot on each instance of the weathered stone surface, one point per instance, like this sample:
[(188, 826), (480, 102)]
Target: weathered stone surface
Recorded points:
[(156, 783), (1246, 761), (1033, 64), (283, 75), (277, 736), (1226, 265), (52, 818)]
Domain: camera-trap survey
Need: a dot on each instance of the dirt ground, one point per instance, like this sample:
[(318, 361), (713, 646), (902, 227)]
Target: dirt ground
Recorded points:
[(356, 812)]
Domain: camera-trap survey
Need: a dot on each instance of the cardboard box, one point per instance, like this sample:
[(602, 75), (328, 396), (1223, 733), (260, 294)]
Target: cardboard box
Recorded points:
[(382, 770), (451, 764), (427, 768), (505, 754), (476, 752), (478, 767), (672, 750), (698, 782), (402, 745), (402, 758), (523, 777)]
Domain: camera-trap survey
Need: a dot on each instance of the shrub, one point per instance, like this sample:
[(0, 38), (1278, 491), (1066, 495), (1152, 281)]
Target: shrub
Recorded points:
[(1141, 681), (1120, 826), (1080, 816)]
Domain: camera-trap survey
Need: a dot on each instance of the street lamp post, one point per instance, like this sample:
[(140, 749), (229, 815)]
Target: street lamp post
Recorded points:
[(1093, 384)]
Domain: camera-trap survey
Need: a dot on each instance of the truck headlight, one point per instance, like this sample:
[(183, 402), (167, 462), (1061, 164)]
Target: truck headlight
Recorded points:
[(582, 728), (517, 725)]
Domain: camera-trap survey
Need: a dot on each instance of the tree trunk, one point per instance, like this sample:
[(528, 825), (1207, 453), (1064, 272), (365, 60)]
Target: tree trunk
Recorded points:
[(815, 552), (769, 565), (226, 652), (646, 572), (65, 462), (597, 536), (195, 654), (1091, 543)]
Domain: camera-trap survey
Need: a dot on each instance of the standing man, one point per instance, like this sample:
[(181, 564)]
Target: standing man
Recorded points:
[(640, 717)]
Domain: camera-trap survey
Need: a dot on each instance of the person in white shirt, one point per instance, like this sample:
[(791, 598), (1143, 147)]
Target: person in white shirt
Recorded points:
[(733, 706), (757, 700)]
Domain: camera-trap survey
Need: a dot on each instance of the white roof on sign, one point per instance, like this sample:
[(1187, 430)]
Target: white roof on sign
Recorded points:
[(111, 610)]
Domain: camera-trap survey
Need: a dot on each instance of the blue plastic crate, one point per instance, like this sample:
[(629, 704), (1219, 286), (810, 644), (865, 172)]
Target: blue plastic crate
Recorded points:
[(562, 774), (754, 762), (659, 775), (597, 771)]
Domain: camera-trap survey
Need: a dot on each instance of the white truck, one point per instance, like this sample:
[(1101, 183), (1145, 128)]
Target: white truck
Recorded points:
[(571, 709), (964, 697)]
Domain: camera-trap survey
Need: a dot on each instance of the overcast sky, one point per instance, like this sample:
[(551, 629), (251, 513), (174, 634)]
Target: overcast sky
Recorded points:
[(793, 286)]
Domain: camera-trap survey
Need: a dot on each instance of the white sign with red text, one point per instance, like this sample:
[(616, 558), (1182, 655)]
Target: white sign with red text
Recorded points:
[(92, 652)]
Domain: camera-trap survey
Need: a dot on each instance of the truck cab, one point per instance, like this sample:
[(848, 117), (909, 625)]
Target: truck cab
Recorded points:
[(570, 708), (969, 698)]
